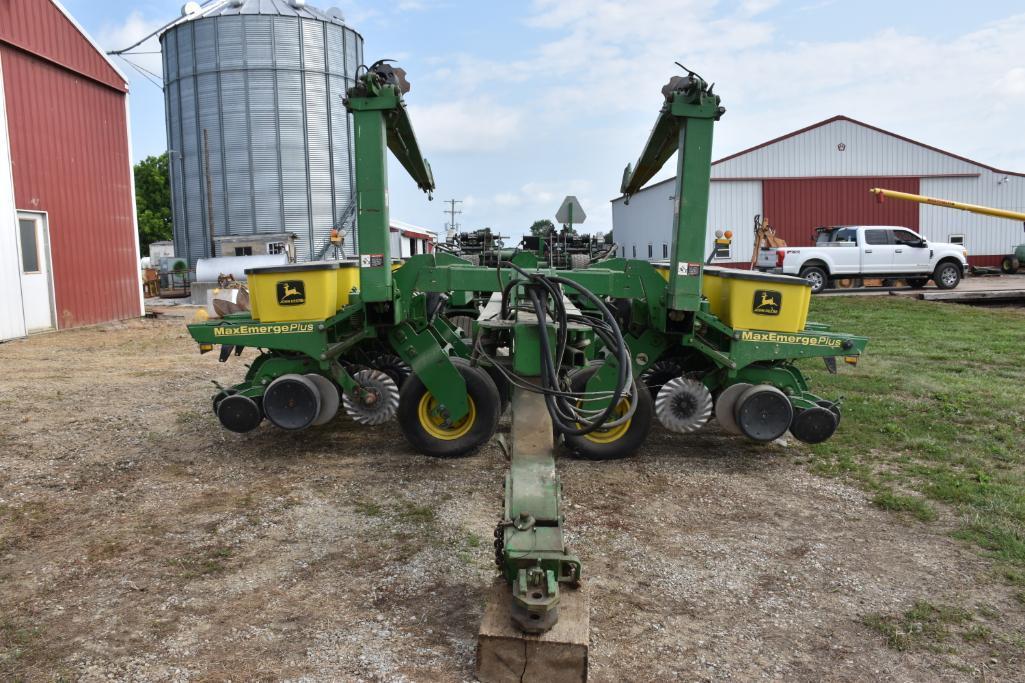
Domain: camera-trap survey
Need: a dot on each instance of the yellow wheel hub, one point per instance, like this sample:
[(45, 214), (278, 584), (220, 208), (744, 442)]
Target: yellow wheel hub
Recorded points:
[(615, 433), (435, 425)]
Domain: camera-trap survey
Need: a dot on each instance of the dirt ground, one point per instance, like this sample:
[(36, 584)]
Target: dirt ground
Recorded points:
[(139, 541)]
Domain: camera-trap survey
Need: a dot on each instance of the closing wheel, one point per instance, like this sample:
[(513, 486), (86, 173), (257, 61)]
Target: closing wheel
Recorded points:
[(833, 407), (620, 441), (726, 405), (431, 433), (329, 398), (814, 425), (239, 413), (763, 413), (292, 402)]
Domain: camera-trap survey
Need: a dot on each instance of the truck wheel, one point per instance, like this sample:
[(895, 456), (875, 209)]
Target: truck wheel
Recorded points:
[(817, 277), (947, 275), (1009, 265)]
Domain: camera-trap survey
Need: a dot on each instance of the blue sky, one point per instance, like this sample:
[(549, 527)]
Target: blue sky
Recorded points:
[(517, 104)]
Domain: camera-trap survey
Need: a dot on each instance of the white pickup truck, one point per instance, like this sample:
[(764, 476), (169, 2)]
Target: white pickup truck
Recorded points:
[(878, 251)]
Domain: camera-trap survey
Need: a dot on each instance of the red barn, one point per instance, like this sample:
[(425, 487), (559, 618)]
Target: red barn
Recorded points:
[(820, 175), (68, 238)]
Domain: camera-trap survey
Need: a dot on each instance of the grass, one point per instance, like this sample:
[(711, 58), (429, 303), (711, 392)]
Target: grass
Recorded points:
[(933, 414), (924, 625), (203, 562), (15, 640)]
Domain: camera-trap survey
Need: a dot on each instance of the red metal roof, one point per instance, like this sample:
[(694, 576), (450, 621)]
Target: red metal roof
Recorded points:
[(43, 28), (70, 158)]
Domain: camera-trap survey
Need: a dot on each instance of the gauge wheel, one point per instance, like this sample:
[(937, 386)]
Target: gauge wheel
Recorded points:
[(620, 441), (291, 402), (764, 413), (1009, 265), (432, 434)]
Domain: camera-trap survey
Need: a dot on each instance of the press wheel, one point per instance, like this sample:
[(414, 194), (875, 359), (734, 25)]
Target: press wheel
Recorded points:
[(814, 425), (239, 413)]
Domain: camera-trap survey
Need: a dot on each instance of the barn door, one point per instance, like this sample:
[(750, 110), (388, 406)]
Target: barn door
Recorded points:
[(36, 281)]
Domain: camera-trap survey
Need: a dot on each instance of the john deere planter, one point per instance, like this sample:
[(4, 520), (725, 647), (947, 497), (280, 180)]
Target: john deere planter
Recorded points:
[(593, 353)]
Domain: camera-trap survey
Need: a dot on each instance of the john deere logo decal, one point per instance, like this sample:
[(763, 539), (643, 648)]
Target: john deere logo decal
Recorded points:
[(767, 302), (291, 292)]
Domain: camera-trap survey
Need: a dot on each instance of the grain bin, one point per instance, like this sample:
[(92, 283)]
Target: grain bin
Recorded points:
[(259, 140)]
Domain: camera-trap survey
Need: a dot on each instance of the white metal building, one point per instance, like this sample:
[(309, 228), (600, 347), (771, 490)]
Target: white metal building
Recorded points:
[(409, 240), (820, 175)]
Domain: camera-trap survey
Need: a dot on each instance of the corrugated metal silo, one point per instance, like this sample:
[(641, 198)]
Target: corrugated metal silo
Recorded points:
[(261, 81)]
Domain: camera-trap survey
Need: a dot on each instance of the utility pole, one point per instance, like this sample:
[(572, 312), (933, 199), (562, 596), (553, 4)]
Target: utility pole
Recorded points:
[(452, 227)]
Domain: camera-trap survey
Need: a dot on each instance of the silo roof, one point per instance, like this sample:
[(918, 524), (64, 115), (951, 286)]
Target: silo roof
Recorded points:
[(276, 8), (285, 8)]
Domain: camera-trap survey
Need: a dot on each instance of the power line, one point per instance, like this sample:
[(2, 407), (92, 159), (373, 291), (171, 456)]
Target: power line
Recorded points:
[(452, 211)]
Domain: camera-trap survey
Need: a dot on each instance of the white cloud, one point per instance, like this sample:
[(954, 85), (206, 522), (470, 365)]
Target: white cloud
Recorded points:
[(135, 27), (474, 125), (1011, 83)]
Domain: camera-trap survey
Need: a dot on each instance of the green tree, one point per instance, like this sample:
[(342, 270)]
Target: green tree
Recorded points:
[(153, 200), (541, 227)]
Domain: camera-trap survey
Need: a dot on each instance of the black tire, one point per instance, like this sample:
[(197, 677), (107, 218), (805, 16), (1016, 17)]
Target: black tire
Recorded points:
[(917, 282), (1009, 265), (598, 445), (947, 275), (438, 440), (501, 384), (817, 276)]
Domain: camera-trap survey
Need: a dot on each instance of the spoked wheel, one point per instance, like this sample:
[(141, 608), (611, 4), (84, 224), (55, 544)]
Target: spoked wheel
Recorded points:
[(620, 441), (431, 433), (660, 372), (764, 413), (683, 405)]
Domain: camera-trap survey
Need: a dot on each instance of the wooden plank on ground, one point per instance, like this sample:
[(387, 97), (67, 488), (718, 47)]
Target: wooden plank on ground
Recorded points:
[(507, 655), (975, 295)]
